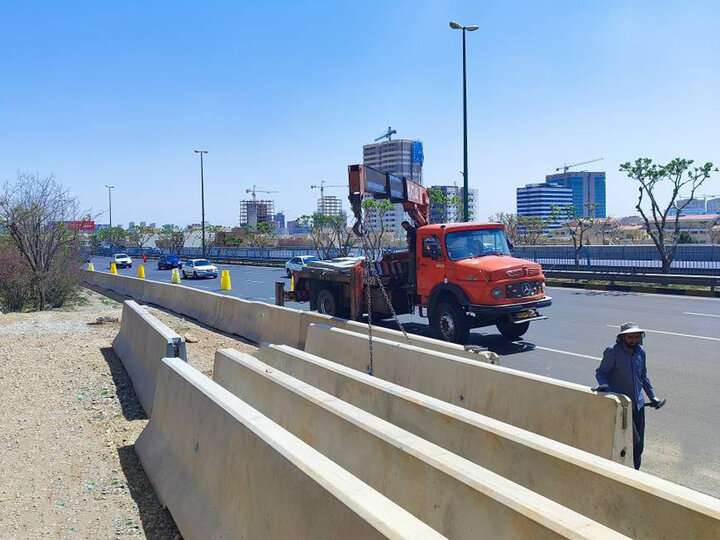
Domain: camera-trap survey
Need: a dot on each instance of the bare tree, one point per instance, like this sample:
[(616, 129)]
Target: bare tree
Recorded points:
[(662, 221), (576, 225), (35, 211), (531, 230), (606, 227), (376, 235), (329, 234), (260, 236)]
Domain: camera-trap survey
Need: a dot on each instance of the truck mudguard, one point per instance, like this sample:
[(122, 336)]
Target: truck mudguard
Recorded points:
[(451, 288)]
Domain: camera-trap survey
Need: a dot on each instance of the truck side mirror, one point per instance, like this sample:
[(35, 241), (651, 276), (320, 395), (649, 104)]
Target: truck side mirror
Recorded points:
[(510, 245)]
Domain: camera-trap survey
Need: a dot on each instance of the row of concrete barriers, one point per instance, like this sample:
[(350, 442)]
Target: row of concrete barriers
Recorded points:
[(217, 460), (549, 407)]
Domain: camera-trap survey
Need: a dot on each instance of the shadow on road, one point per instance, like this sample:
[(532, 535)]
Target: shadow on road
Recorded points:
[(157, 522), (131, 408)]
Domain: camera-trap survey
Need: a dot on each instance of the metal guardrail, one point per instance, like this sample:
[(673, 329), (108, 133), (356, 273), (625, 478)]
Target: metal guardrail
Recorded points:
[(662, 279)]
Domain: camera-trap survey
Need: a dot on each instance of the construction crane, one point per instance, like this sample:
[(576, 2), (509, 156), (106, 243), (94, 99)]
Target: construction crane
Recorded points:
[(388, 135), (565, 167), (322, 187), (255, 190)]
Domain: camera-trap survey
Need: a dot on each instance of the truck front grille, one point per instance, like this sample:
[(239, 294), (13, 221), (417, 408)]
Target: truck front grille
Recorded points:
[(523, 289)]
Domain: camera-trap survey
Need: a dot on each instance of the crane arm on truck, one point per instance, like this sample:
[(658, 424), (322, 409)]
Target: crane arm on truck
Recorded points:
[(368, 182)]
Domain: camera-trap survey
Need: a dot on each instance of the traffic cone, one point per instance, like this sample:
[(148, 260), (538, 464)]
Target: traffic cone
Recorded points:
[(91, 267), (113, 268), (225, 284), (175, 276), (292, 282), (141, 271)]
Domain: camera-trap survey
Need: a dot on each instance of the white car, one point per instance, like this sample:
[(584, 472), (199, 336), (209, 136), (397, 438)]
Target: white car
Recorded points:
[(121, 260), (197, 268), (299, 263)]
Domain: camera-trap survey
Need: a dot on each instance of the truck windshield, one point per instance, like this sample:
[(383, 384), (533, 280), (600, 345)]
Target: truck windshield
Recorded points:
[(476, 243)]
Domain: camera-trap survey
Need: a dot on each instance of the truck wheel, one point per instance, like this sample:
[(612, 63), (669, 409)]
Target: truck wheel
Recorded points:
[(327, 303), (512, 330), (450, 323)]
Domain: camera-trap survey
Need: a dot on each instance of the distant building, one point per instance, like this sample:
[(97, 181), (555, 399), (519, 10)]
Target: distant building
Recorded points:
[(131, 225), (713, 206), (588, 188), (280, 220), (294, 228), (537, 200), (253, 212), (329, 205), (697, 206), (401, 157), (451, 213)]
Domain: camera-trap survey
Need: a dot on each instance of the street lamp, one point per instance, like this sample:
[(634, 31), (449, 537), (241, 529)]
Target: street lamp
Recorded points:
[(471, 28), (202, 197), (110, 209)]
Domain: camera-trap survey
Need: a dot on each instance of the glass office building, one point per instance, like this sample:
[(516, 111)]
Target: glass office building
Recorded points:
[(588, 188)]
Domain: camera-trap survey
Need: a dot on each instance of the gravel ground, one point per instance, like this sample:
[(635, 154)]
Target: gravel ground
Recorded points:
[(69, 420)]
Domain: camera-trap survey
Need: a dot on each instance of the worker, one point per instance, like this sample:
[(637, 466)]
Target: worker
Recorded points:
[(411, 238), (623, 370)]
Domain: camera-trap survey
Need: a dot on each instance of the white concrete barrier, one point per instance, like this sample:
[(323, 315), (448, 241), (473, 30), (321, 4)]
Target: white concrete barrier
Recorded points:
[(562, 411), (454, 496), (259, 322), (603, 490), (143, 341), (225, 471), (312, 317)]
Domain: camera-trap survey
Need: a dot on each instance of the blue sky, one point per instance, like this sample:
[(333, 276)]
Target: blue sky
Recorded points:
[(284, 94)]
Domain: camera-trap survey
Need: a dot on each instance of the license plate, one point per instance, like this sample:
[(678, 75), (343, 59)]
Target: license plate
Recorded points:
[(526, 314)]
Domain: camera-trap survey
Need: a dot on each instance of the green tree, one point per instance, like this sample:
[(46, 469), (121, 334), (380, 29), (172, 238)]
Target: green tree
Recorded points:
[(139, 236), (441, 203), (260, 236), (113, 236), (329, 233), (173, 238), (662, 219), (531, 230)]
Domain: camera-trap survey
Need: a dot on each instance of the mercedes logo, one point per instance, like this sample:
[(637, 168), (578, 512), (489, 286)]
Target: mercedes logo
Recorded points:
[(526, 289)]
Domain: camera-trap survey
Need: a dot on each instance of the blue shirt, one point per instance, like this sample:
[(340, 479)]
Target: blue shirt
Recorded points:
[(624, 370)]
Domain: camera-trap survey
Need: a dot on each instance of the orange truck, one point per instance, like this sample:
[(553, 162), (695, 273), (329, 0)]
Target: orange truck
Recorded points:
[(464, 274)]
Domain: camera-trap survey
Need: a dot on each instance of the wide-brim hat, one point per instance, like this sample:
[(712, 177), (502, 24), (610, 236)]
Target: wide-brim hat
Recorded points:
[(630, 328)]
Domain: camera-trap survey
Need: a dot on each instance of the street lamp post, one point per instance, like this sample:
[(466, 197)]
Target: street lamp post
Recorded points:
[(110, 210), (202, 197), (471, 28)]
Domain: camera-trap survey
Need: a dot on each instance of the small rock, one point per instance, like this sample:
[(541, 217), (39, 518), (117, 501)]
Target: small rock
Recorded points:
[(189, 338), (105, 319)]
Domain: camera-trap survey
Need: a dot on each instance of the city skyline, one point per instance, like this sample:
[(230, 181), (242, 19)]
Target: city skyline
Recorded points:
[(126, 103)]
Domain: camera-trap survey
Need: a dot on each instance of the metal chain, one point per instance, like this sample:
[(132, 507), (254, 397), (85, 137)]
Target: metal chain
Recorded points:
[(372, 273)]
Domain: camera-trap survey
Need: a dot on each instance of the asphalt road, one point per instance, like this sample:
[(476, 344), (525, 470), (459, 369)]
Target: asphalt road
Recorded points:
[(682, 441)]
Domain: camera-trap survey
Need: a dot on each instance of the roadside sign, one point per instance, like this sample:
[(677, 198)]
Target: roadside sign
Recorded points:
[(81, 225)]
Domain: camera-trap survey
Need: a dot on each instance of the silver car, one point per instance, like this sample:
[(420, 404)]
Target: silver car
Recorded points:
[(298, 263), (197, 268)]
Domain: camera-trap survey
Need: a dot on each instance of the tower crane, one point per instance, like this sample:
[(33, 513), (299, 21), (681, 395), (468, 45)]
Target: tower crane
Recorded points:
[(388, 135), (255, 190), (565, 166), (322, 187)]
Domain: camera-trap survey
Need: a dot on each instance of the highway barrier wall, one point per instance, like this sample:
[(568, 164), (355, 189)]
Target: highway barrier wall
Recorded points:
[(143, 341), (456, 497), (562, 411), (224, 470), (605, 491), (257, 321)]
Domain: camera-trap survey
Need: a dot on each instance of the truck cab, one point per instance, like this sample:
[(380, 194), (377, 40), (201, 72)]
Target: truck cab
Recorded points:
[(467, 278)]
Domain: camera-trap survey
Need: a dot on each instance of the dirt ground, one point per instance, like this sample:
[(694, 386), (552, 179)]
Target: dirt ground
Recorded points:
[(68, 423)]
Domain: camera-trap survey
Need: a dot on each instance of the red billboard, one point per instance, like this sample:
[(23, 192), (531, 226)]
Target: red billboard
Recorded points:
[(81, 225)]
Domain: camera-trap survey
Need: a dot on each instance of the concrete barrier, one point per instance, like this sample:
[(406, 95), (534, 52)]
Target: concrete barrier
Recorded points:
[(226, 471), (454, 496), (562, 411), (312, 317), (259, 322), (143, 341), (600, 489)]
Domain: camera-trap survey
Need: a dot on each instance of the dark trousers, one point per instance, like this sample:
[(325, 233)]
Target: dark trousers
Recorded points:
[(638, 434)]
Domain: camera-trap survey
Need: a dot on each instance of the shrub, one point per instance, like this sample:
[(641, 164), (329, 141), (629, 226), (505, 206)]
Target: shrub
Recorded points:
[(15, 280)]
